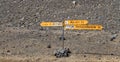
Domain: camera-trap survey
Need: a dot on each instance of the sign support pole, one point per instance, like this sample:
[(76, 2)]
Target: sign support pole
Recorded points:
[(49, 42), (63, 37)]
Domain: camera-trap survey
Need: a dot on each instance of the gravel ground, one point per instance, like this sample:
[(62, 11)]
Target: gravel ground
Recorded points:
[(21, 35)]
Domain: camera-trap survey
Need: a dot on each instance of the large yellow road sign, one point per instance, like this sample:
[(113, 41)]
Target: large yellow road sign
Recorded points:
[(83, 27), (47, 24), (75, 22)]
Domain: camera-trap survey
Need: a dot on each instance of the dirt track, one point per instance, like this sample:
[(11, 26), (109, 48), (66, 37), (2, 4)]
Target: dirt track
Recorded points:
[(73, 58)]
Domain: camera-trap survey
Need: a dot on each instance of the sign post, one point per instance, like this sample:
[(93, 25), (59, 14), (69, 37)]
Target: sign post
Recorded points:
[(63, 37), (70, 25), (47, 32)]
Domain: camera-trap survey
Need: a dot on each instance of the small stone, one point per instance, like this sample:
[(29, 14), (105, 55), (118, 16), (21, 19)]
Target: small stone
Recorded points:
[(112, 54), (14, 1), (37, 13), (78, 34), (113, 37), (13, 47), (8, 51), (22, 0), (47, 35), (49, 46), (8, 11), (85, 56), (3, 41), (22, 26), (99, 5), (103, 43), (54, 16), (40, 35), (30, 24), (9, 24), (68, 17), (2, 53), (22, 18), (99, 58), (26, 46), (74, 2)]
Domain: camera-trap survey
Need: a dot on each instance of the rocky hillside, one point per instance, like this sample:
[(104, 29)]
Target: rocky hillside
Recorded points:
[(28, 13)]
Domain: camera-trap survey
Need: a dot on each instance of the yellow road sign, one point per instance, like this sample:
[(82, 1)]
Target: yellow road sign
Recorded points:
[(47, 24), (75, 22), (83, 27)]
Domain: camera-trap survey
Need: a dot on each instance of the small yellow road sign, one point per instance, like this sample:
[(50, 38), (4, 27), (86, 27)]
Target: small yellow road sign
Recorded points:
[(47, 24), (75, 22), (83, 27)]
